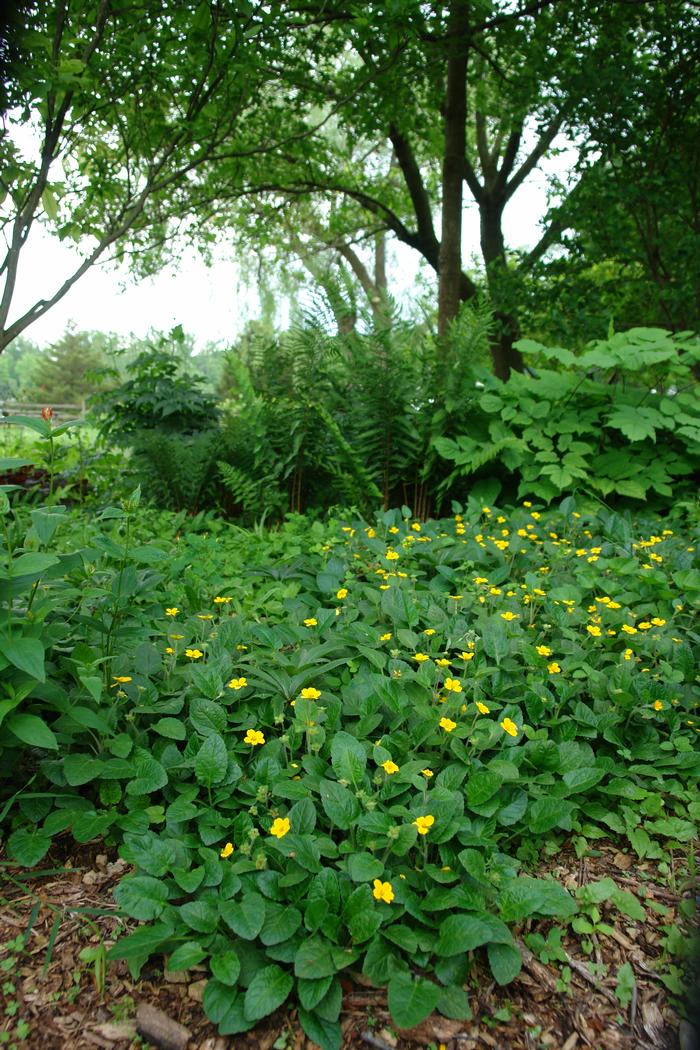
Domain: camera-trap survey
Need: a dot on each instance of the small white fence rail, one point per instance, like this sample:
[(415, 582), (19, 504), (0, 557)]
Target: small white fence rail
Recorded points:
[(61, 412)]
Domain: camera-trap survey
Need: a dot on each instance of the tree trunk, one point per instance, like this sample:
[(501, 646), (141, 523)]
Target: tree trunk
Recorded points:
[(504, 356), (450, 266)]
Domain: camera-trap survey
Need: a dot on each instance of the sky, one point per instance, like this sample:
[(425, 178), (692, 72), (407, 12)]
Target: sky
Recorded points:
[(213, 303)]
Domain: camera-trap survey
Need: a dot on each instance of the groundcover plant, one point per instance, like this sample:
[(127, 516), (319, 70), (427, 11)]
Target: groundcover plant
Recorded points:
[(342, 747)]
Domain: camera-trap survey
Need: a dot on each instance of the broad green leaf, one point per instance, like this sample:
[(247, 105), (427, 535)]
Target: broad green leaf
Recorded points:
[(27, 654), (462, 933), (340, 805), (363, 867), (186, 956), (141, 896), (348, 757), (505, 961), (27, 846), (281, 923), (266, 992), (211, 761), (32, 730), (245, 917), (327, 1035), (411, 1001), (314, 959), (226, 967)]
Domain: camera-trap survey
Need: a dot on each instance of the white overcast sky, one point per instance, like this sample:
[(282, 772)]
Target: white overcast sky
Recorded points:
[(211, 303)]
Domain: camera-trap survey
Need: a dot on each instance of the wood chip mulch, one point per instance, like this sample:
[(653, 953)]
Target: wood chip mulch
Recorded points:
[(47, 987)]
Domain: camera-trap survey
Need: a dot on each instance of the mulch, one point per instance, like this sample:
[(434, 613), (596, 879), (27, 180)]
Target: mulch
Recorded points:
[(49, 988)]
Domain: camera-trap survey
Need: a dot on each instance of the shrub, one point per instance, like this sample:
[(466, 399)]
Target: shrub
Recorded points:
[(622, 419)]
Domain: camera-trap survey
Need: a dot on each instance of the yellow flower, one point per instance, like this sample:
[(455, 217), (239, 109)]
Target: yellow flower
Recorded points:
[(443, 663), (416, 526), (421, 658), (453, 685), (628, 653), (480, 579), (205, 616), (342, 593), (658, 622), (169, 650), (628, 629), (509, 616), (658, 706), (466, 656), (392, 555), (554, 668), (241, 648), (222, 601), (311, 621), (238, 683), (644, 625), (226, 851), (310, 693), (390, 767), (385, 637), (253, 737), (527, 503), (427, 773), (424, 824), (429, 631), (595, 631), (280, 827), (370, 534), (194, 654), (383, 891), (393, 530), (509, 726), (482, 708), (172, 612), (120, 679), (455, 597), (447, 724), (177, 637), (544, 650)]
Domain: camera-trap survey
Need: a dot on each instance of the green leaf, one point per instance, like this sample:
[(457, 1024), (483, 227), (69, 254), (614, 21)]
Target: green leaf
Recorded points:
[(462, 933), (525, 896), (186, 956), (548, 813), (505, 961), (454, 1003), (481, 786), (226, 967), (224, 1006), (363, 867), (245, 917), (636, 422), (80, 769), (340, 805), (314, 959), (33, 564), (411, 1001), (172, 728), (328, 1035), (201, 915), (28, 846), (141, 896), (149, 775), (266, 992), (582, 779), (27, 654), (211, 761), (348, 757), (625, 985), (281, 923), (33, 731)]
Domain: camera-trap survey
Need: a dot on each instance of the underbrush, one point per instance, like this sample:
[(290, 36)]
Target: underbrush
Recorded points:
[(345, 744)]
